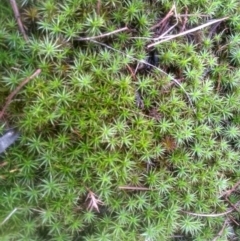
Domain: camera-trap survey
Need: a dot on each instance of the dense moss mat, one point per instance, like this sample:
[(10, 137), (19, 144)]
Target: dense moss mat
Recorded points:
[(95, 121)]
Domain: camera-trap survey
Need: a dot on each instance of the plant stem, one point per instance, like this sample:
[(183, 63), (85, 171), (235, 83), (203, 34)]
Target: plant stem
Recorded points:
[(18, 18), (10, 97)]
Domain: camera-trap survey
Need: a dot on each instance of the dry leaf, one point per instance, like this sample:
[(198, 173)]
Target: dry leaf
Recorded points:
[(94, 202)]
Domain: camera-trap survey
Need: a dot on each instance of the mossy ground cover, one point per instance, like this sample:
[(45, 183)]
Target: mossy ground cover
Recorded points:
[(119, 140)]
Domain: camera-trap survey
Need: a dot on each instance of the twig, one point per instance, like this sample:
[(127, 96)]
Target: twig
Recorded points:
[(153, 66), (169, 37), (133, 75), (18, 18), (233, 220), (10, 97), (172, 11), (229, 192), (184, 20), (169, 14), (103, 35), (99, 6), (232, 205), (162, 35), (221, 231), (209, 215)]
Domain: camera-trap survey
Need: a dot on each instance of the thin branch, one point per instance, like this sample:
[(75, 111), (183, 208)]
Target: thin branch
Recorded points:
[(131, 72), (169, 37), (229, 192), (232, 205), (18, 18), (103, 35), (175, 13), (233, 220), (99, 6), (184, 20), (166, 37), (10, 97), (221, 231), (169, 14)]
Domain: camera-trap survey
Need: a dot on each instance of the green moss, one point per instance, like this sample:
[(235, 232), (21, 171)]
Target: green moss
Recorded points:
[(112, 148)]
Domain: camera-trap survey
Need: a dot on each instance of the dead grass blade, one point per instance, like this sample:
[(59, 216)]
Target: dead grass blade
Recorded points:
[(169, 37), (9, 216)]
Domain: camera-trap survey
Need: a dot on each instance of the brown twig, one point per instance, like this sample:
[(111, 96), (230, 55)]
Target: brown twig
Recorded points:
[(221, 231), (233, 189), (169, 14), (233, 220), (103, 35), (133, 75), (229, 192), (172, 27), (184, 20), (18, 18), (99, 6), (10, 97), (232, 205)]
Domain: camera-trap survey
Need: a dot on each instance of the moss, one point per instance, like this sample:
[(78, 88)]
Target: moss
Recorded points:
[(120, 141)]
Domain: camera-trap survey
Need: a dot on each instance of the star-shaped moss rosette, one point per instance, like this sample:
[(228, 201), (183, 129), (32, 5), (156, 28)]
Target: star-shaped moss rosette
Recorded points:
[(136, 107)]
